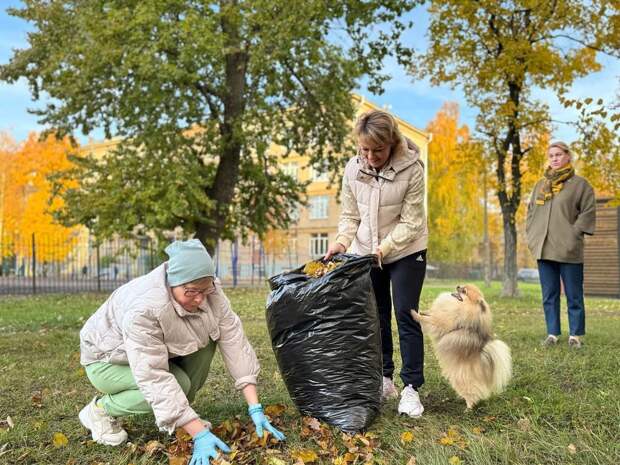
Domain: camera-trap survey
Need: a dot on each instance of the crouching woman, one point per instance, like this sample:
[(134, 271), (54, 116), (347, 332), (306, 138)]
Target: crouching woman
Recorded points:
[(149, 347)]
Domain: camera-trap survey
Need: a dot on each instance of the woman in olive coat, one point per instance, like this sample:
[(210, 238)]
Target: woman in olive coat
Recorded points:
[(561, 211)]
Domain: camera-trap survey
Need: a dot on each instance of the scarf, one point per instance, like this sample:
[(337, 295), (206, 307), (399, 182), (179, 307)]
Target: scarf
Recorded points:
[(554, 182)]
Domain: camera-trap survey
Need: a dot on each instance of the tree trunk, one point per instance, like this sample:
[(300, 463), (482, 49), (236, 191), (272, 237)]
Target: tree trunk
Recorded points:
[(486, 242), (226, 177), (510, 253)]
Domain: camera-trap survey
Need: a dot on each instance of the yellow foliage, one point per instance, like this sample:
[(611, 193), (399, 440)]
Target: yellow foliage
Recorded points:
[(25, 193), (455, 169), (407, 436), (60, 440), (316, 268)]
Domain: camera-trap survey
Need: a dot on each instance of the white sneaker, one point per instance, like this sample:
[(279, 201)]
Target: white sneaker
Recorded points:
[(389, 390), (104, 428), (410, 402)]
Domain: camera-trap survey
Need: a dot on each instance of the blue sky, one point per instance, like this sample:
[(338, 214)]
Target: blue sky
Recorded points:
[(414, 101)]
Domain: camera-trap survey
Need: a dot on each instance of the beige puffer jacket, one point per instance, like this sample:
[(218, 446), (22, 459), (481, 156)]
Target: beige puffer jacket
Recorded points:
[(141, 325), (384, 209)]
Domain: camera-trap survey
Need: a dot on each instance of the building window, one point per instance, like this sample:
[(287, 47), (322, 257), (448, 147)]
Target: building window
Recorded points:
[(290, 169), (318, 245), (318, 207)]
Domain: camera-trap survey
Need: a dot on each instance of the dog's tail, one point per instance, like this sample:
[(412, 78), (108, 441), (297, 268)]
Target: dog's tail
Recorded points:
[(498, 353)]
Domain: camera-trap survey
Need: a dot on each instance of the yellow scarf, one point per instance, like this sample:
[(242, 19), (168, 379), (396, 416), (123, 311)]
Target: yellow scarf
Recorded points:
[(554, 182)]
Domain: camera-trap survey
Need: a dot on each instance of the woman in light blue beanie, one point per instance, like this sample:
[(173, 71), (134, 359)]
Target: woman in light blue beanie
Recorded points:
[(149, 347)]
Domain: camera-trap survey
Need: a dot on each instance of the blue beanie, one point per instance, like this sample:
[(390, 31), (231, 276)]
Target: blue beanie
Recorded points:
[(189, 260)]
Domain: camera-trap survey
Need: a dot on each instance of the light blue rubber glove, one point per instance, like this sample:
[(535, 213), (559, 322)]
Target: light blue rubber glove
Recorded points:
[(261, 422), (205, 447)]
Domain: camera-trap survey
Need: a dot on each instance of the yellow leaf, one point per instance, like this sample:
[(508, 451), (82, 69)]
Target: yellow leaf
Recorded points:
[(454, 460), (407, 436), (477, 430), (153, 446), (412, 461), (305, 455), (60, 440), (446, 441), (275, 461), (177, 460), (275, 410), (572, 449)]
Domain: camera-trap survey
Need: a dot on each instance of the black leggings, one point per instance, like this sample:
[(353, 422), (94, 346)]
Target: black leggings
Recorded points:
[(406, 276)]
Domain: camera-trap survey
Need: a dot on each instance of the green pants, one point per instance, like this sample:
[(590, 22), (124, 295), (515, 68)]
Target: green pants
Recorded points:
[(122, 396)]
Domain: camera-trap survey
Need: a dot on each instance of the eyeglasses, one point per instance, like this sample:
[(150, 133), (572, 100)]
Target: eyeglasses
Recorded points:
[(193, 292)]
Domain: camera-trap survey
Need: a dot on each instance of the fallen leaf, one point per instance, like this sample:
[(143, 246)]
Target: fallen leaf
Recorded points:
[(71, 461), (524, 424), (60, 440), (6, 424), (313, 423), (275, 410), (446, 441), (305, 455), (454, 460), (407, 436), (489, 418), (275, 461), (153, 446), (477, 430), (37, 399), (572, 449), (176, 460), (412, 461)]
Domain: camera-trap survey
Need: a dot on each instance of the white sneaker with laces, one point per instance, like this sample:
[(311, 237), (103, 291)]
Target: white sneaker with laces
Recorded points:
[(389, 391), (104, 428), (410, 402)]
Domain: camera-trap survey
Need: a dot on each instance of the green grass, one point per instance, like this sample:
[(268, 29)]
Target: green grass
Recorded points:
[(557, 397)]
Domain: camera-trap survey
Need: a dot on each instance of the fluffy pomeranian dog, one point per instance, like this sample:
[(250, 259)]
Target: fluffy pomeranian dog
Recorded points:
[(475, 363)]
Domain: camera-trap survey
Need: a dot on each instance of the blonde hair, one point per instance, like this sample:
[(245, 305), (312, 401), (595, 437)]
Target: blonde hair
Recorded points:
[(380, 127), (561, 145)]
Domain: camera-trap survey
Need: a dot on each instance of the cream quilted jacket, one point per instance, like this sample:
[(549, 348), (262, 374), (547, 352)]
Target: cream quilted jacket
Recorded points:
[(384, 209), (142, 326)]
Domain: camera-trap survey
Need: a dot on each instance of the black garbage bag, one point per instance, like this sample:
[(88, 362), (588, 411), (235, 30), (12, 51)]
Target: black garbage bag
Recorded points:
[(326, 338)]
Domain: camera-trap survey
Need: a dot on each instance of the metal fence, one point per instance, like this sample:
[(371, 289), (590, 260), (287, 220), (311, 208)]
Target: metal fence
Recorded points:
[(77, 262)]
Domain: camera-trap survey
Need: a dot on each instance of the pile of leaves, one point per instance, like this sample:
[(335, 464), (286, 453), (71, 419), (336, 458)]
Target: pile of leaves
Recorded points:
[(317, 268)]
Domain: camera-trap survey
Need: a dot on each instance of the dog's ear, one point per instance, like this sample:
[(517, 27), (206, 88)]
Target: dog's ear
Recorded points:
[(484, 307)]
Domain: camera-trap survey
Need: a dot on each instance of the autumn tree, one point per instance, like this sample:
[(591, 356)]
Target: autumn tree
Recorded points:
[(198, 92), (498, 52), (454, 175), (26, 194), (598, 146)]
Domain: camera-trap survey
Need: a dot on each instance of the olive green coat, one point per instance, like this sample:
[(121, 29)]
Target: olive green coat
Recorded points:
[(555, 230)]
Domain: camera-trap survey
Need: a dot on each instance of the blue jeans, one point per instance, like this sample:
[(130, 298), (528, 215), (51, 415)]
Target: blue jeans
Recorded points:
[(572, 277)]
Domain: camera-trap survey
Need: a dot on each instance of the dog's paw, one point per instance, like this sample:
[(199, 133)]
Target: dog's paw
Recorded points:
[(415, 315)]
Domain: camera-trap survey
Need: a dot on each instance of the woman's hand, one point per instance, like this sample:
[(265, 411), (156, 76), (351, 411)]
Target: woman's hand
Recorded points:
[(205, 447), (333, 249), (379, 255), (260, 421)]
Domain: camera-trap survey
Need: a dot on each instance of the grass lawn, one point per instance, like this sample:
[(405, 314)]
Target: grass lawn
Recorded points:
[(562, 407)]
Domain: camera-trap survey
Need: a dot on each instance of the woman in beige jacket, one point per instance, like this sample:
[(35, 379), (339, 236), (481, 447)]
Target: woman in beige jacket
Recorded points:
[(149, 347), (383, 213)]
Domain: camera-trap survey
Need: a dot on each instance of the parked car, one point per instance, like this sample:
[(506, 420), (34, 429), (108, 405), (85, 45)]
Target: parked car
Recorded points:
[(528, 275)]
